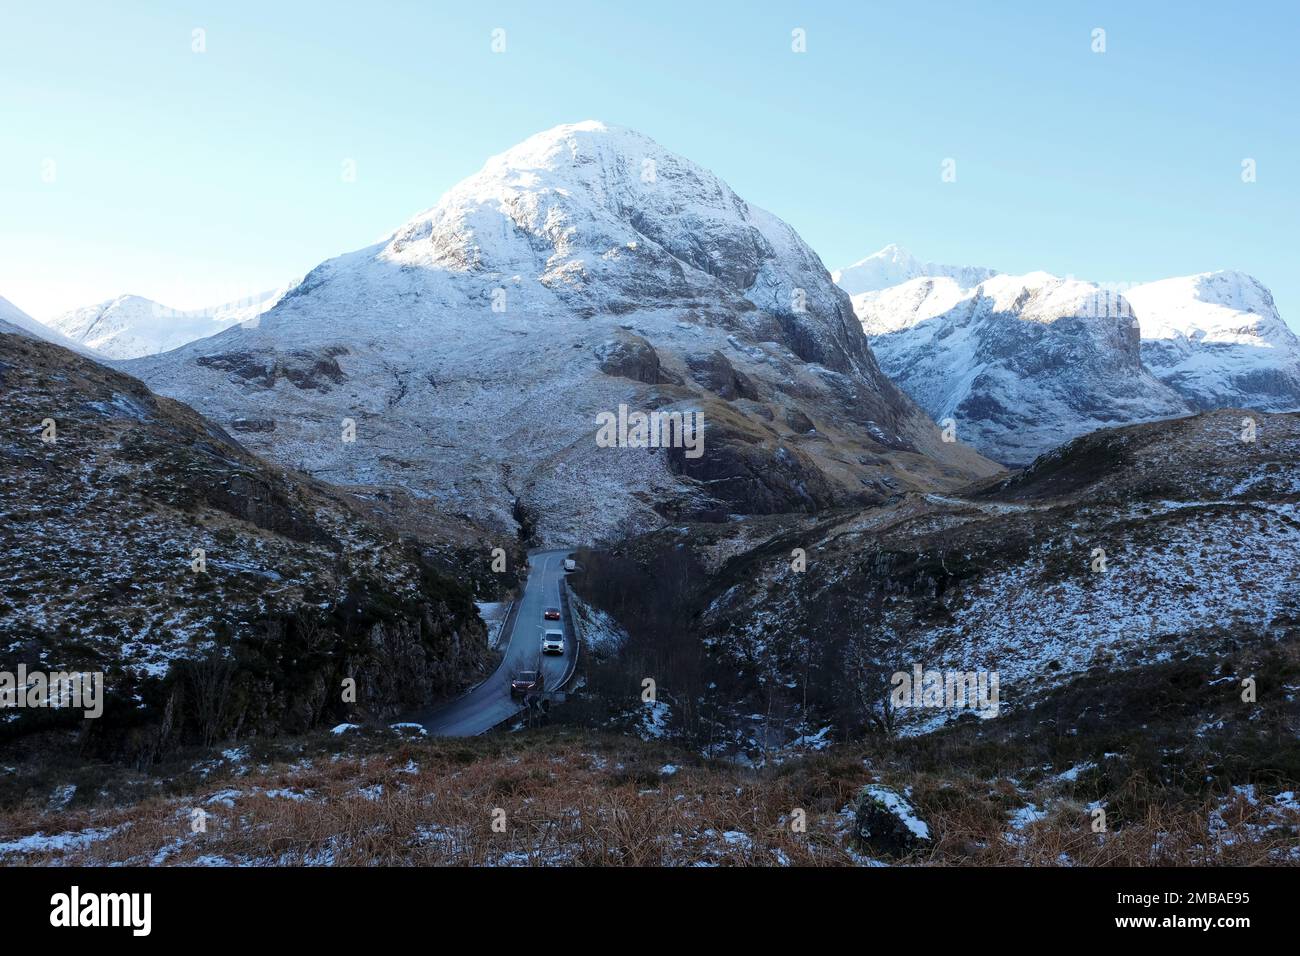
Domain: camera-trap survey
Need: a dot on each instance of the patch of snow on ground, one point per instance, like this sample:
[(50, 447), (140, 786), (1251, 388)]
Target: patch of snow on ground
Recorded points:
[(57, 842), (654, 720), (900, 808)]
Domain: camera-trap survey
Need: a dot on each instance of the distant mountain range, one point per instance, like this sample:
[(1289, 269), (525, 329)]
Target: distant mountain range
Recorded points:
[(131, 326), (894, 265), (1021, 364), (592, 242)]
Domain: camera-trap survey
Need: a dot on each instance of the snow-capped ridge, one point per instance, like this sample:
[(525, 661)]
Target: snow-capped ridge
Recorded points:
[(20, 321), (130, 326), (894, 265), (1019, 363), (1217, 338), (1208, 304), (582, 210)]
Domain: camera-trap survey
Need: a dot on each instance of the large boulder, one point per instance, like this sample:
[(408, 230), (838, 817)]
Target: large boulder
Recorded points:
[(887, 824)]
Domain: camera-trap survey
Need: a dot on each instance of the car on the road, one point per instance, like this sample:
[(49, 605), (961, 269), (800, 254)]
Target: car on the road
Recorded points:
[(551, 614), (526, 682), (553, 642), (570, 565)]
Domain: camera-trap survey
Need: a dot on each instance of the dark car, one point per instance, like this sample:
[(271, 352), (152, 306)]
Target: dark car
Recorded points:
[(551, 614), (525, 682)]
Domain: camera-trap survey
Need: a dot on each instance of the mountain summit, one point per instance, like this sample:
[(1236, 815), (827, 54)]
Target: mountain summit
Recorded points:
[(595, 218), (1217, 339), (584, 269), (893, 265)]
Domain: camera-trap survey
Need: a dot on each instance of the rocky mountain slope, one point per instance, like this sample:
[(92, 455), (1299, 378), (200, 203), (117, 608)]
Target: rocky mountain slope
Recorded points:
[(221, 596), (894, 265), (131, 326), (584, 269), (1217, 339), (1020, 364), (1125, 549)]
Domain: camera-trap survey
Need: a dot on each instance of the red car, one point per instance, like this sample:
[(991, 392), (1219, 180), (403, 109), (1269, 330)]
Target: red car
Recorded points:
[(551, 614)]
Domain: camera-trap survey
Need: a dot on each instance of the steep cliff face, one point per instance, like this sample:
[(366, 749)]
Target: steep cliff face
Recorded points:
[(584, 269), (1218, 340), (1020, 364), (220, 596), (1023, 363)]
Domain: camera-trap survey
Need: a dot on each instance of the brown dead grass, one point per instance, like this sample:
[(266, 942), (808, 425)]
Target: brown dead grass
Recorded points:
[(593, 801)]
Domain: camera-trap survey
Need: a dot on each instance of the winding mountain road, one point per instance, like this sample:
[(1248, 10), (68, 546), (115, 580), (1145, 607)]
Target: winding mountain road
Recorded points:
[(490, 702)]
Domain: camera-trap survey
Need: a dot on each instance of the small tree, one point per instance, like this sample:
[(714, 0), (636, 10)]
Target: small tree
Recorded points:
[(210, 680), (869, 679)]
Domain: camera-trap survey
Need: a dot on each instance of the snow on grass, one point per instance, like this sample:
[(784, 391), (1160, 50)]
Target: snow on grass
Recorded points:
[(406, 727), (653, 724), (57, 842), (1245, 812), (286, 794), (1208, 570), (818, 741), (1026, 815), (1073, 773)]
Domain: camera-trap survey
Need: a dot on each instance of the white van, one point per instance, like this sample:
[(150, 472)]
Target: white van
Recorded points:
[(570, 565), (552, 642)]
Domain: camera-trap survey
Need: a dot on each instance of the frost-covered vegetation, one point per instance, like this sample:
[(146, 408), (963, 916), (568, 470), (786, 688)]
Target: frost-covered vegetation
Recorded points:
[(221, 596)]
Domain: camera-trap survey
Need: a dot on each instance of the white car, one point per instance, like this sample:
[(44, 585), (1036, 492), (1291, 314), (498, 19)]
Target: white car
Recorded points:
[(570, 565), (552, 642)]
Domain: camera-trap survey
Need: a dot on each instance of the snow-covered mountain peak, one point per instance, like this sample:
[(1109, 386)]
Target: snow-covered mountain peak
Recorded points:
[(1034, 297), (584, 154), (906, 304), (1215, 305), (1043, 297), (130, 326), (1021, 363), (584, 269), (1218, 339), (894, 265), (588, 212)]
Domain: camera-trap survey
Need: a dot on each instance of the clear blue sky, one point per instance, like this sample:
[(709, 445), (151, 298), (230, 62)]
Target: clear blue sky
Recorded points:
[(191, 177)]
